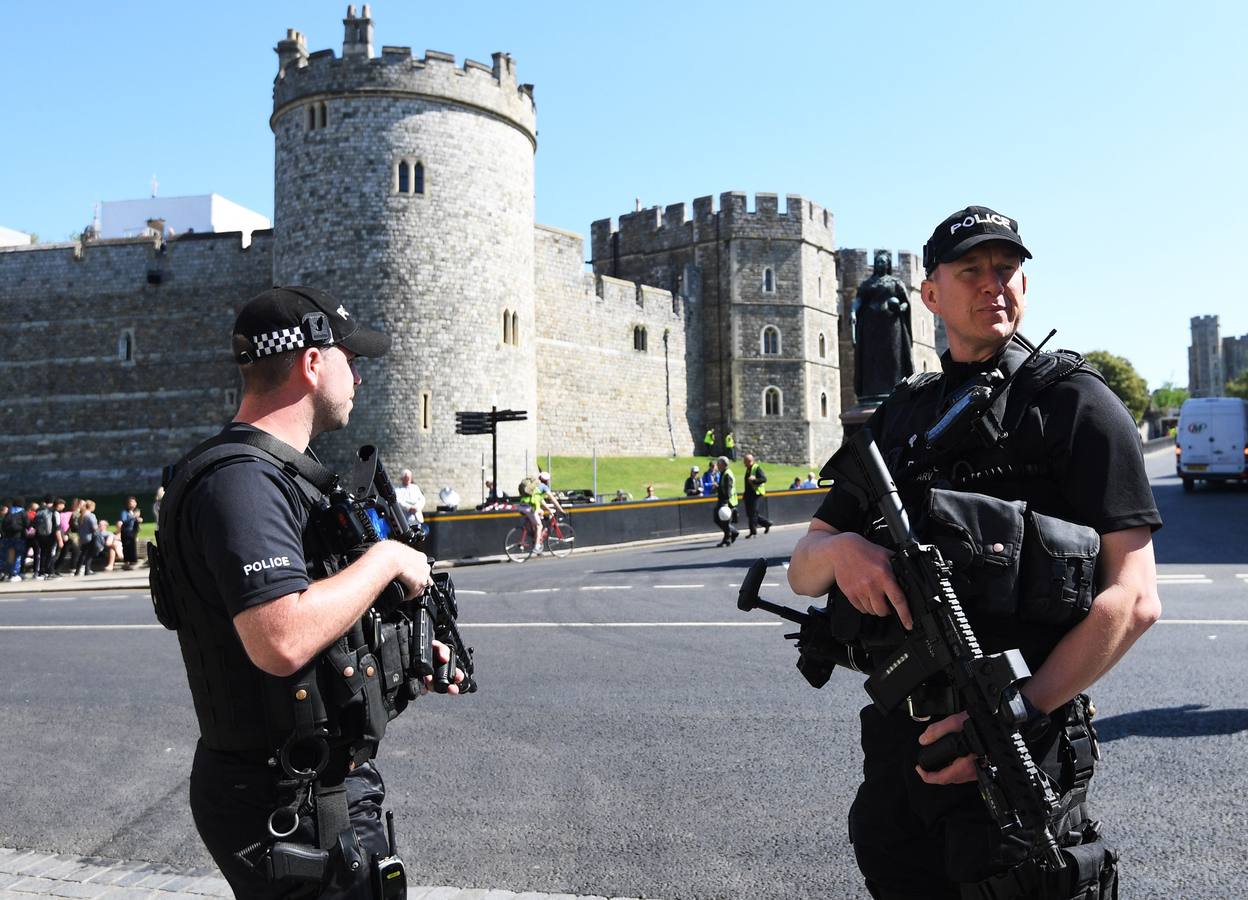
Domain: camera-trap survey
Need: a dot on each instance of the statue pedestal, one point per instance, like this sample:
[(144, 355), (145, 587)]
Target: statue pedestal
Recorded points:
[(856, 416)]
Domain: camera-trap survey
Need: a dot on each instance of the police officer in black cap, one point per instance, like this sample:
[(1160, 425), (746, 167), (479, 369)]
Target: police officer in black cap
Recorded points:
[(1066, 575), (283, 790)]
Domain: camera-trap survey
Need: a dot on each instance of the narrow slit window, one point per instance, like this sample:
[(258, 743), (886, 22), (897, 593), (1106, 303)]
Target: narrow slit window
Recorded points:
[(426, 410), (823, 346), (322, 113), (404, 176), (823, 405), (639, 338), (125, 346), (515, 328), (506, 327), (769, 281), (418, 178)]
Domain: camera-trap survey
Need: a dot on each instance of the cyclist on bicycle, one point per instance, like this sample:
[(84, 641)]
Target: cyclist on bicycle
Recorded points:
[(532, 497)]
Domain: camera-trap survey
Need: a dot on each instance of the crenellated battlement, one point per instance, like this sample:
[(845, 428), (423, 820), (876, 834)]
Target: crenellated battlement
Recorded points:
[(659, 229), (303, 77), (126, 265)]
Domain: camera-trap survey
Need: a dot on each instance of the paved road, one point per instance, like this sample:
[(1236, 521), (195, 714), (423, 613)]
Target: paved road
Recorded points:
[(635, 735)]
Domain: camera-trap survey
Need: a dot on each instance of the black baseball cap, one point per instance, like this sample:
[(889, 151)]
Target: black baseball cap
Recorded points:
[(291, 318), (968, 228)]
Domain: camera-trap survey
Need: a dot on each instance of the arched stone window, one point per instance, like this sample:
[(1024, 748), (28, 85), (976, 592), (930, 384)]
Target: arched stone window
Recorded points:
[(515, 328), (639, 338), (769, 281), (823, 346), (823, 405), (770, 340), (409, 177), (773, 402)]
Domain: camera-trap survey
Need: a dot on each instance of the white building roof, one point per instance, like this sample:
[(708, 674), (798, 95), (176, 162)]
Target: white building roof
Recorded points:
[(201, 213)]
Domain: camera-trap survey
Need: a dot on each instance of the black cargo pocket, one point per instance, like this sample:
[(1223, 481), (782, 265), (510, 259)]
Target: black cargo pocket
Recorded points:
[(1058, 570), (980, 537)]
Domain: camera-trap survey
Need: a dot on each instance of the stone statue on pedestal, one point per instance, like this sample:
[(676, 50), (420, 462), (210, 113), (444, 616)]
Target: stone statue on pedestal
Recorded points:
[(883, 339)]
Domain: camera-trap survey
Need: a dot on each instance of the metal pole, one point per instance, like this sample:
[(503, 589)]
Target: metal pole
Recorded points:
[(548, 466), (595, 451), (494, 442)]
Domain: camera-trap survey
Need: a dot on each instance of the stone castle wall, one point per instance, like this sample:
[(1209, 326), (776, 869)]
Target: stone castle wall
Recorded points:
[(595, 390), (78, 416), (751, 269)]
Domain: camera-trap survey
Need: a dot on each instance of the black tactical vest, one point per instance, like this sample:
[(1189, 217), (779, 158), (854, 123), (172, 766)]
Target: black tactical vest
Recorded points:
[(1024, 565), (239, 707)]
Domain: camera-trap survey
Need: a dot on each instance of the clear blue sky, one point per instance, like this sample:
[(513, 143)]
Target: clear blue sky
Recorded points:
[(1115, 133)]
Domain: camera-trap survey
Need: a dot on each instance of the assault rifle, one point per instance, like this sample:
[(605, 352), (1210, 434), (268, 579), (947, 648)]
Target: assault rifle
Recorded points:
[(368, 511), (937, 666)]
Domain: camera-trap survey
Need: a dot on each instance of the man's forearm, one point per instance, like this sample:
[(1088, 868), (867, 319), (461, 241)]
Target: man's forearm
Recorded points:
[(297, 627), (811, 573), (1118, 617)]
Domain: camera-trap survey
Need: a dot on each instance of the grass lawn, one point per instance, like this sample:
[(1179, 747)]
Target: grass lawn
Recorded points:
[(633, 473)]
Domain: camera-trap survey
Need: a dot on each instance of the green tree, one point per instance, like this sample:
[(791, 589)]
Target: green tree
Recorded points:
[(1123, 380), (1238, 387), (1169, 397)]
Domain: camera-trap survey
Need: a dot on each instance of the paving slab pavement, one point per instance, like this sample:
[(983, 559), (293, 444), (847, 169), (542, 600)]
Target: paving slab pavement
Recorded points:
[(32, 873)]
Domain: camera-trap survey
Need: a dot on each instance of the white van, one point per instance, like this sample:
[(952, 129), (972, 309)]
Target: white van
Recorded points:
[(1211, 443)]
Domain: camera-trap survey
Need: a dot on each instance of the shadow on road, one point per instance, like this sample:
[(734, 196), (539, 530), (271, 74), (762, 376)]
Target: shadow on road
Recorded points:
[(1188, 720), (1208, 525)]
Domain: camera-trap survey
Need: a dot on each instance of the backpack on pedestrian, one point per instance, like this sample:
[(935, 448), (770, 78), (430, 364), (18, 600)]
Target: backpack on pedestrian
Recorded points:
[(14, 524), (46, 522)]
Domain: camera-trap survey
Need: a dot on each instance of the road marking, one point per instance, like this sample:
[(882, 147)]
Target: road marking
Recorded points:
[(606, 587), (15, 599), (621, 624), (1182, 575), (541, 591), (1202, 622), (79, 627), (764, 584), (58, 599), (462, 591), (1197, 580), (672, 587)]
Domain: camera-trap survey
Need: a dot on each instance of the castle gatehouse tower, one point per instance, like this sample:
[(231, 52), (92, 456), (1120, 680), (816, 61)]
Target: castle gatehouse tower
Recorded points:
[(405, 187)]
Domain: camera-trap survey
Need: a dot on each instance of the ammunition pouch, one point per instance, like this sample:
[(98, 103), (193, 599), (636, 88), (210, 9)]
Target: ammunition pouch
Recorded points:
[(1090, 873), (1010, 561)]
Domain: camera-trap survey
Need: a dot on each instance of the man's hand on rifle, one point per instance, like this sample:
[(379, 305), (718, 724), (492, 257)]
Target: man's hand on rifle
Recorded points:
[(412, 568), (962, 769), (443, 653), (864, 573)]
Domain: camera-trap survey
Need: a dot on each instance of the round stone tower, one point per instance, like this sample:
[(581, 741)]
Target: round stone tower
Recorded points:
[(405, 188)]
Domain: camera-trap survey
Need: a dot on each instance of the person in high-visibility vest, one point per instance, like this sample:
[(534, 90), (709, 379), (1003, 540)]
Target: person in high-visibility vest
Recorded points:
[(730, 446), (725, 509), (755, 490), (709, 442)]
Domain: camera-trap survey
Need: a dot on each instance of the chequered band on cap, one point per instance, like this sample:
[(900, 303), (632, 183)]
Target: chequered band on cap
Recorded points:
[(278, 341)]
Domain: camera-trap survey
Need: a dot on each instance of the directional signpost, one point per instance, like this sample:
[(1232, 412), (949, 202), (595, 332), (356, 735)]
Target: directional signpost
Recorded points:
[(487, 423)]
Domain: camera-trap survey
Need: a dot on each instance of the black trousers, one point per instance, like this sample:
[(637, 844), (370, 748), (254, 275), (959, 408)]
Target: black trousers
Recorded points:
[(915, 841), (755, 518), (725, 527), (45, 555), (231, 799), (130, 547)]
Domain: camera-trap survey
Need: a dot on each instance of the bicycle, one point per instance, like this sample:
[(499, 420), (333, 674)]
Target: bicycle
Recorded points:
[(558, 538)]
